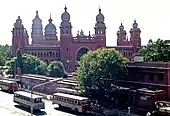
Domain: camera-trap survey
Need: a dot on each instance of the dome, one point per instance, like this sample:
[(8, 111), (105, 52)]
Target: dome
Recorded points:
[(121, 27), (100, 17), (50, 28), (65, 16), (135, 25), (18, 22)]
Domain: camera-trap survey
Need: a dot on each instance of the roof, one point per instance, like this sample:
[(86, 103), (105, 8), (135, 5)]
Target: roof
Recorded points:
[(27, 94), (119, 46), (157, 65), (70, 96), (8, 81), (67, 89)]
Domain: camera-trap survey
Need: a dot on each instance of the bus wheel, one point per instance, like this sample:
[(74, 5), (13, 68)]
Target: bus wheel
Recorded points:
[(59, 106), (76, 110)]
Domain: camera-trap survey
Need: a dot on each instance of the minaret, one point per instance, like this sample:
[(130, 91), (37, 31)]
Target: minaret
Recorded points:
[(66, 39), (37, 29), (65, 26), (121, 35), (100, 29), (135, 36), (18, 40)]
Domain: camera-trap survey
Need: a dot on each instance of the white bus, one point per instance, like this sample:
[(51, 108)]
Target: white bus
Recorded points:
[(8, 85), (76, 103), (24, 99), (68, 91)]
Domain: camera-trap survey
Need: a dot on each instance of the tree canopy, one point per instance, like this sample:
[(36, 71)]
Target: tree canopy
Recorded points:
[(100, 69), (5, 54), (156, 51), (31, 65), (56, 69)]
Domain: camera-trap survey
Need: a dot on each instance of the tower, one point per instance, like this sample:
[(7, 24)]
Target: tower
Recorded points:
[(100, 29), (65, 39), (37, 29), (50, 31), (18, 39), (121, 35), (135, 36)]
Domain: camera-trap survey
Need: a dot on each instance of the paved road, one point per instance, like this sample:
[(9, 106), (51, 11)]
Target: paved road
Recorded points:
[(8, 108)]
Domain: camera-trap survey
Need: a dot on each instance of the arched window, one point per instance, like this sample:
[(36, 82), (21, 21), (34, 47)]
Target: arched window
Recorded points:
[(81, 52)]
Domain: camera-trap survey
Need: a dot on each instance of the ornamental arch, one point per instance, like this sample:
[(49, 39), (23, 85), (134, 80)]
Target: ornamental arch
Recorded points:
[(81, 51)]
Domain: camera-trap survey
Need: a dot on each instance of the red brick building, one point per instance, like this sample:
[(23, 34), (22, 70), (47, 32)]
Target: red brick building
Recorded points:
[(69, 48), (147, 82)]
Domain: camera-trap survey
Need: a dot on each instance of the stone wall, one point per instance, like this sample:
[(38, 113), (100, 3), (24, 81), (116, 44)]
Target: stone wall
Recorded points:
[(29, 82)]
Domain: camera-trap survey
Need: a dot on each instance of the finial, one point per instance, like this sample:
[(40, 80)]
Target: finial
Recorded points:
[(121, 24), (99, 9), (37, 12), (65, 8), (50, 20), (135, 21), (77, 32), (89, 33), (18, 17)]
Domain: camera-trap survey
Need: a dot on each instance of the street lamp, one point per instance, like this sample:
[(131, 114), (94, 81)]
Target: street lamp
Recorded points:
[(58, 79)]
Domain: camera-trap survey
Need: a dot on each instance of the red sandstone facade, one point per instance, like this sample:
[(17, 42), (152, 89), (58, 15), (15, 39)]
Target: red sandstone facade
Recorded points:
[(68, 48)]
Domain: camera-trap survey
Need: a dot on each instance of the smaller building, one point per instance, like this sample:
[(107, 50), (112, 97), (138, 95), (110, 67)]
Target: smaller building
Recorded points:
[(149, 80)]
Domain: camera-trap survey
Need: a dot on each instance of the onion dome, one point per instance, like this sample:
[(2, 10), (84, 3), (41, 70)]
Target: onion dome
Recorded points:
[(121, 27), (100, 17), (50, 27), (135, 25), (65, 16), (18, 22)]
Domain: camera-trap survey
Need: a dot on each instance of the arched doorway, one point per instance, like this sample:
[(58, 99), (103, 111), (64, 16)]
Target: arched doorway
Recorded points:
[(81, 52)]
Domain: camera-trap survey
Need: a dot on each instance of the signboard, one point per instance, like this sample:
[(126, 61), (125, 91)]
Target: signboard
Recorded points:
[(138, 59)]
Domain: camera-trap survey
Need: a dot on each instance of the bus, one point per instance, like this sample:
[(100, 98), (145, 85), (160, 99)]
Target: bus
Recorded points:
[(63, 84), (68, 91), (76, 103), (8, 85), (23, 98)]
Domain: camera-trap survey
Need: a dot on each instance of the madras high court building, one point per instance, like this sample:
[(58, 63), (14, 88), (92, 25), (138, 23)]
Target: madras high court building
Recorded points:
[(68, 48)]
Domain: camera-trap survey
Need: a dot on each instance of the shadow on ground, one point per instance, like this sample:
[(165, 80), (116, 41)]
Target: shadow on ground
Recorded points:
[(37, 112)]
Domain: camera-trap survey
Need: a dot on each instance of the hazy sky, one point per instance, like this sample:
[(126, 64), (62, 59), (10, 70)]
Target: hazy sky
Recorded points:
[(153, 16)]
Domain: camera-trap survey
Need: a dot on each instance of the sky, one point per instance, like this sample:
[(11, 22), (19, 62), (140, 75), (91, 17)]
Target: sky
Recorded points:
[(152, 16)]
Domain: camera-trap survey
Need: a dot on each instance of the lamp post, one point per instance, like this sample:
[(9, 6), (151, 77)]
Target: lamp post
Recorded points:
[(58, 79)]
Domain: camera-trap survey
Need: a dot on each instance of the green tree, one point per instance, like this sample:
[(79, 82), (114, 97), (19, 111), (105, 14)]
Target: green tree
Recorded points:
[(98, 70), (56, 69), (156, 51), (31, 65), (5, 54)]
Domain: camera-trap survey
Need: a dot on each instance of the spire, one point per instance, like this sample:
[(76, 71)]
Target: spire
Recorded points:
[(65, 8), (89, 33), (50, 20)]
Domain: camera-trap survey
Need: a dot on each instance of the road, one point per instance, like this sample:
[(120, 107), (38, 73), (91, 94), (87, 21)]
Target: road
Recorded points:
[(8, 108)]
